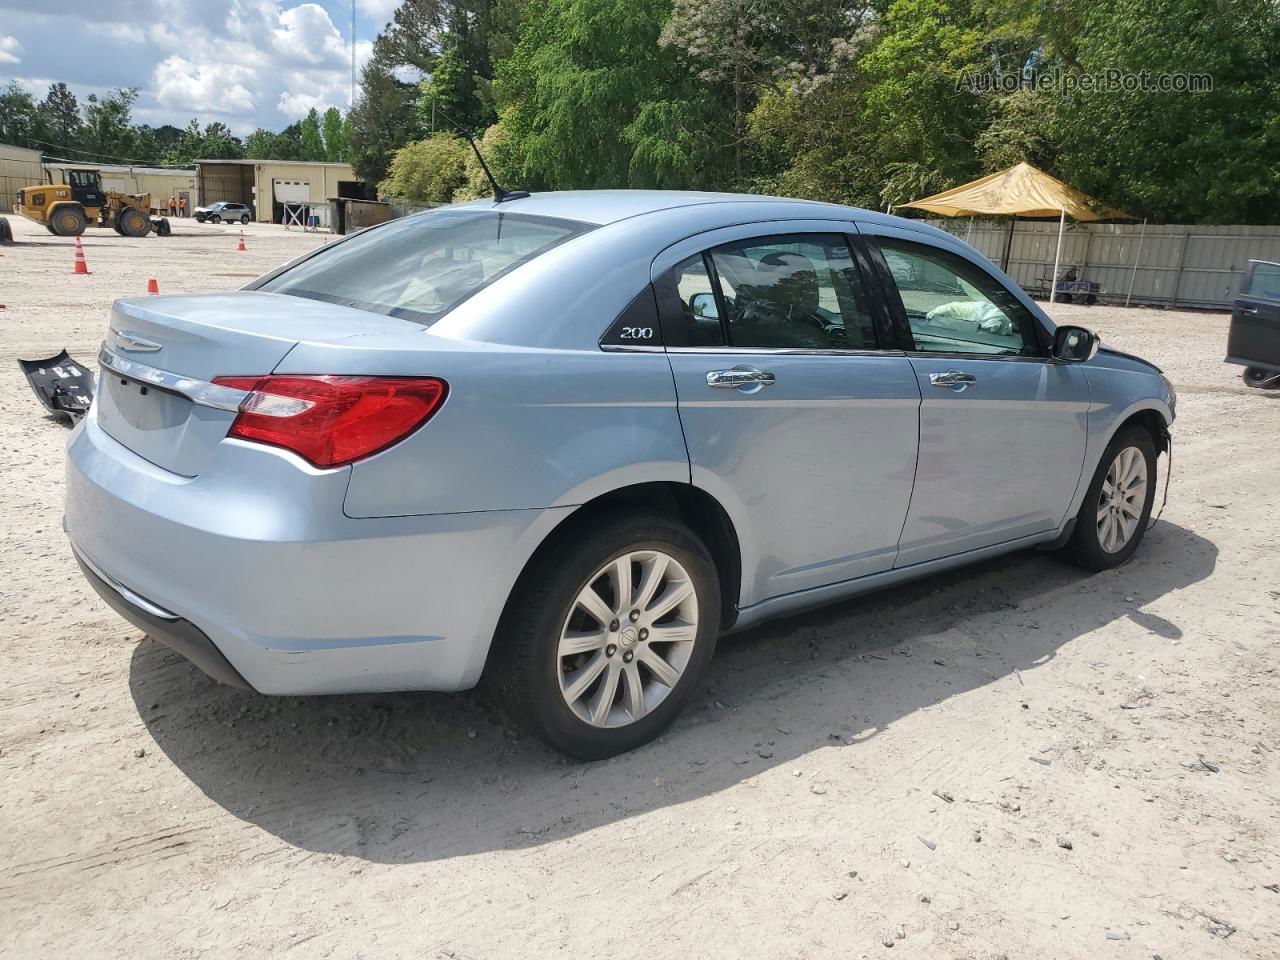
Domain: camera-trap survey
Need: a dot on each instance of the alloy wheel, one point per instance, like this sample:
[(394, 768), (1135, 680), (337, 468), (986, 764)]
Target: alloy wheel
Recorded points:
[(1121, 501), (628, 638)]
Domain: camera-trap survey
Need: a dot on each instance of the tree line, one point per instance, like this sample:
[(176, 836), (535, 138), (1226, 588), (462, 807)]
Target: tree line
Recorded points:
[(866, 102), (101, 130)]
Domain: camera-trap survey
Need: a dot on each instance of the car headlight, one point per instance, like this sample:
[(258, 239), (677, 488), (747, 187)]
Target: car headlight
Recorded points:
[(1173, 394)]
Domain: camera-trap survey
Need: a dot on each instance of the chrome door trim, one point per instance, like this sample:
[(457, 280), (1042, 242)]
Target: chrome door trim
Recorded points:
[(1005, 357), (788, 351), (200, 392), (754, 351)]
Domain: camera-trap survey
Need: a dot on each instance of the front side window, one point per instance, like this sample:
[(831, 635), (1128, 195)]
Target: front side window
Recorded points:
[(954, 307), (421, 267)]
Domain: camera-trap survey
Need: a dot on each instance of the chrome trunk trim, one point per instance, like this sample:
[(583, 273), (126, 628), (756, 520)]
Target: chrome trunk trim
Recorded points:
[(199, 392)]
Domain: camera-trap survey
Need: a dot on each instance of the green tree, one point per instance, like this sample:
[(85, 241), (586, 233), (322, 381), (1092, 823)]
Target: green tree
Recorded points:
[(745, 49), (60, 118), (108, 131), (268, 145), (428, 171), (19, 117), (448, 98), (383, 120), (335, 130), (214, 142), (312, 137), (218, 143), (1211, 157), (594, 101)]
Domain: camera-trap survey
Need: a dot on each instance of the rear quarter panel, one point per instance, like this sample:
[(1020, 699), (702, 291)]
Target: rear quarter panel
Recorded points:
[(522, 428)]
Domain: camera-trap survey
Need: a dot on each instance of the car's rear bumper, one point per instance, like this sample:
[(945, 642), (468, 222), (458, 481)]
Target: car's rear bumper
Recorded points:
[(180, 635), (257, 557)]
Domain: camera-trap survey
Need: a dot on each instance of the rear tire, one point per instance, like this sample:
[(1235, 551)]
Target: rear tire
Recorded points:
[(132, 222), (67, 221), (587, 686), (1117, 505), (244, 221)]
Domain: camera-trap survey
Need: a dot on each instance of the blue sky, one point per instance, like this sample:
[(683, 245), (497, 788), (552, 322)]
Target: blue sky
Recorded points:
[(248, 63)]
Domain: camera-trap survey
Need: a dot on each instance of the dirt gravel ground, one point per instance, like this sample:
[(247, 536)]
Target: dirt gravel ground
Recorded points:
[(1016, 760)]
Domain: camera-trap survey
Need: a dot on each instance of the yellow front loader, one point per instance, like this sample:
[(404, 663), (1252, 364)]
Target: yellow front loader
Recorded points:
[(67, 208)]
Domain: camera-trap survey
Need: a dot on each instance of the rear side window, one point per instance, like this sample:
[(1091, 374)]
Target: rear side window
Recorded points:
[(687, 305), (801, 292), (421, 267)]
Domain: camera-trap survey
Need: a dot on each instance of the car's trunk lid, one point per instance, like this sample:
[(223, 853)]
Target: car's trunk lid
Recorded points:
[(202, 338)]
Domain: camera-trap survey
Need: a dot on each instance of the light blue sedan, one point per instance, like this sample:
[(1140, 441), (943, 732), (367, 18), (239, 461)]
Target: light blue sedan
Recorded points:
[(566, 441)]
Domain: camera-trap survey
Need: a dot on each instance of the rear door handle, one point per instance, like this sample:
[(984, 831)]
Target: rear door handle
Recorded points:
[(740, 377), (952, 378)]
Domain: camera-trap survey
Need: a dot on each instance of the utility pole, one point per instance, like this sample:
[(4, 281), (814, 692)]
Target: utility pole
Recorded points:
[(353, 54)]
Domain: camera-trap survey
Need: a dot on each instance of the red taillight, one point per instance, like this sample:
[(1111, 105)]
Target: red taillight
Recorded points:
[(332, 421)]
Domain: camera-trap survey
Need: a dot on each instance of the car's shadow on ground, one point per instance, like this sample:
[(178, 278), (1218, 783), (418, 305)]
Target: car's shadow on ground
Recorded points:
[(413, 777)]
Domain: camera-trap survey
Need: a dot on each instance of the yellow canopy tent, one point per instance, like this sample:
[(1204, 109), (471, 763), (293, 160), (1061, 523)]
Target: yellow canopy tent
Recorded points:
[(1020, 191)]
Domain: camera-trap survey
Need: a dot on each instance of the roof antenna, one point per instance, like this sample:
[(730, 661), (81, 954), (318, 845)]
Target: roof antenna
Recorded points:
[(500, 195)]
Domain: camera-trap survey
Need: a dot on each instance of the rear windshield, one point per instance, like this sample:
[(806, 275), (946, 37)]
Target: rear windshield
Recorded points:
[(421, 267)]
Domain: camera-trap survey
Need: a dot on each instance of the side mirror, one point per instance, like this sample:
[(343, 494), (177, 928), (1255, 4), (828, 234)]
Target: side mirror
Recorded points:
[(1074, 344), (704, 305)]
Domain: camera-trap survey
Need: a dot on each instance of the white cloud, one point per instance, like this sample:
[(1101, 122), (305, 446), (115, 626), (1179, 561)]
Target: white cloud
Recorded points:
[(306, 33), (378, 10), (200, 87), (247, 63), (10, 50)]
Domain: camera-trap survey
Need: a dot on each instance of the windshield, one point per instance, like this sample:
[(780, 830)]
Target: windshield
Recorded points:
[(421, 267)]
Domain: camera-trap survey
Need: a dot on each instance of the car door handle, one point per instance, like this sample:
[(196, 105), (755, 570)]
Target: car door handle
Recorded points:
[(1252, 311), (740, 377), (951, 378)]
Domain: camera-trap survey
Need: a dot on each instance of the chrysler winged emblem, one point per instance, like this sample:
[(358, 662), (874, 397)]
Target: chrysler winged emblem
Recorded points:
[(131, 341)]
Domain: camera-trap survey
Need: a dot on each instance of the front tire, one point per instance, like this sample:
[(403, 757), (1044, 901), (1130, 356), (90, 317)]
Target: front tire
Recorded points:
[(67, 222), (1117, 505), (606, 637), (215, 219)]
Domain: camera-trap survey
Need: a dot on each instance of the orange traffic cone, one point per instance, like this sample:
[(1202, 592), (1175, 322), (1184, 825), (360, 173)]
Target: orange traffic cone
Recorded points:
[(241, 247), (153, 288), (82, 265)]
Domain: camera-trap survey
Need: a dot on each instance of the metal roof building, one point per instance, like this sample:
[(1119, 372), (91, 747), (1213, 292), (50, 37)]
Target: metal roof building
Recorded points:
[(267, 185), (19, 167)]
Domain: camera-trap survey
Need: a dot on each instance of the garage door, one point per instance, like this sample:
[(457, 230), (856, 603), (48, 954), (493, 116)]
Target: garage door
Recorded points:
[(292, 191)]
